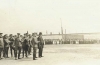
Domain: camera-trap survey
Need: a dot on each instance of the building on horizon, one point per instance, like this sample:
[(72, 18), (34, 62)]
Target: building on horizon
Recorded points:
[(73, 38)]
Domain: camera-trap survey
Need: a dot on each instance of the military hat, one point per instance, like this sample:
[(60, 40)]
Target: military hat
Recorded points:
[(40, 33), (11, 35), (24, 33), (32, 33), (18, 33), (5, 34)]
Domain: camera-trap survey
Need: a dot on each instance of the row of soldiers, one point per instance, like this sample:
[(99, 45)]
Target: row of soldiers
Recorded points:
[(20, 43)]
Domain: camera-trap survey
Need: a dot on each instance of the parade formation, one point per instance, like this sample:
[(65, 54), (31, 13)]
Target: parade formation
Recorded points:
[(21, 44)]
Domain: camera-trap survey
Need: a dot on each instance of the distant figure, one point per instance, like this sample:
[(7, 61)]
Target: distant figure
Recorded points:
[(40, 45), (57, 41), (53, 42), (77, 41)]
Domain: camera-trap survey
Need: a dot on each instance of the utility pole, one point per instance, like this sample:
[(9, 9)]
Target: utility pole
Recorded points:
[(46, 32), (65, 31), (65, 36), (61, 30)]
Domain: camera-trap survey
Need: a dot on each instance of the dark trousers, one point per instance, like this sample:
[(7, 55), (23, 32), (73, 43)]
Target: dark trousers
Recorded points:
[(11, 51), (25, 50), (29, 50), (5, 52), (34, 53), (1, 49), (40, 51), (17, 51)]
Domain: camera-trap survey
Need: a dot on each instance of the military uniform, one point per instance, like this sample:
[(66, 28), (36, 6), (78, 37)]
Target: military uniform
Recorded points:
[(18, 47), (11, 39), (25, 46), (30, 46), (35, 46), (40, 45), (6, 46), (1, 45)]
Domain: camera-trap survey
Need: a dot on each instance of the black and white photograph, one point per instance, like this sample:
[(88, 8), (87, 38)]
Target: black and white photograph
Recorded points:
[(49, 32)]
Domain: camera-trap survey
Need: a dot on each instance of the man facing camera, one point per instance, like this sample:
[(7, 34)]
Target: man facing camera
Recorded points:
[(18, 46)]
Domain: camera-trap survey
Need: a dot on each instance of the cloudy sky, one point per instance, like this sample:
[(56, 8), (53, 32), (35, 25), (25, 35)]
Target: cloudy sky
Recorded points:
[(77, 16)]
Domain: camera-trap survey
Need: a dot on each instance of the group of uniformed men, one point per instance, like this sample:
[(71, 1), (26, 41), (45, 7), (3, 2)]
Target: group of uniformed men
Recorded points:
[(18, 42)]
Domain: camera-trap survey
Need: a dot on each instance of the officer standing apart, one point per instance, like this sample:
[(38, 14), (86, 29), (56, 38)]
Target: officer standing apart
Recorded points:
[(1, 45), (41, 44), (35, 45)]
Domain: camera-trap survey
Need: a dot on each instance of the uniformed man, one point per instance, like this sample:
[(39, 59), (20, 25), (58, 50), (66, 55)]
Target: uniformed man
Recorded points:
[(11, 39), (1, 45), (34, 44), (40, 45), (30, 44), (6, 46), (18, 46), (25, 45)]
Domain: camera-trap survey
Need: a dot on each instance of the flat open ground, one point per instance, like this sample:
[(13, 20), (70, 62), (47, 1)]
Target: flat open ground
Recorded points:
[(63, 54)]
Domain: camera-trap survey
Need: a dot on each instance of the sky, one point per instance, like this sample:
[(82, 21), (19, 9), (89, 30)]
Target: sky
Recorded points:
[(77, 16)]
